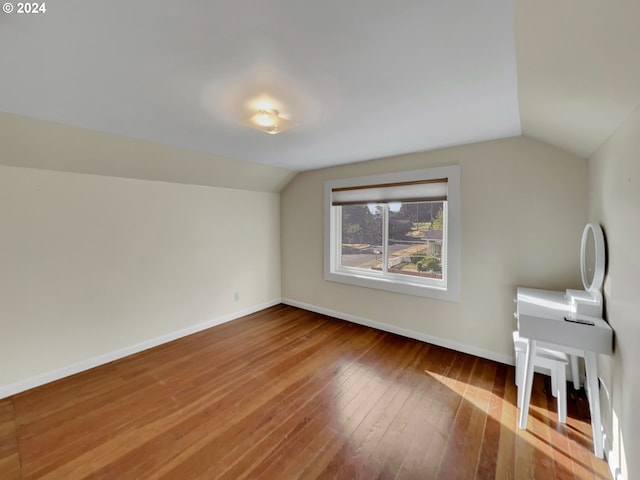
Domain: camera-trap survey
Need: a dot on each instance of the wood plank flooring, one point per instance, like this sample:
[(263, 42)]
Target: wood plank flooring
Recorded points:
[(285, 394)]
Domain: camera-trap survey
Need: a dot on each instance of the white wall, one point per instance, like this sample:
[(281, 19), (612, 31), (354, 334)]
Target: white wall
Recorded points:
[(92, 264), (614, 202), (523, 211)]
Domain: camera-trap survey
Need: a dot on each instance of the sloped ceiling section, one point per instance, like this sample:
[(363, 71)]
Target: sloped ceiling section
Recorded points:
[(578, 69), (361, 79), (33, 143)]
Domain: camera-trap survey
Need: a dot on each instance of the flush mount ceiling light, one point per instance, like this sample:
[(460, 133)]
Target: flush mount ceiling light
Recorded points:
[(270, 121)]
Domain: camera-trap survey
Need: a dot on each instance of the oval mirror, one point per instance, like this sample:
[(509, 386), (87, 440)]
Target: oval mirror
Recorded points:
[(592, 257)]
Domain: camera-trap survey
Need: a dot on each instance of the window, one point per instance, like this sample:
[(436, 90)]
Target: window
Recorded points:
[(397, 232)]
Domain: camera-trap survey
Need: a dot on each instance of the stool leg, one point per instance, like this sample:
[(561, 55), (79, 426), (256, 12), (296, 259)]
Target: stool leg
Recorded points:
[(575, 373), (554, 381), (562, 392)]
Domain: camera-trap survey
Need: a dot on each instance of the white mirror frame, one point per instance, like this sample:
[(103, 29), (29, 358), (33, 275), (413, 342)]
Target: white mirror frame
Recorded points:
[(598, 268)]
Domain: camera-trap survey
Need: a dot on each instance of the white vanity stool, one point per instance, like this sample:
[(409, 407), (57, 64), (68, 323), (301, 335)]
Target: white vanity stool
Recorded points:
[(554, 361), (569, 322)]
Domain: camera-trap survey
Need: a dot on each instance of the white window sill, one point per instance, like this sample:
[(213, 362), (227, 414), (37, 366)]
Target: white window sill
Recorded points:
[(405, 287)]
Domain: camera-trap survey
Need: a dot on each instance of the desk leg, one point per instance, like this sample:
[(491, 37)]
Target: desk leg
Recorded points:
[(525, 399), (591, 367)]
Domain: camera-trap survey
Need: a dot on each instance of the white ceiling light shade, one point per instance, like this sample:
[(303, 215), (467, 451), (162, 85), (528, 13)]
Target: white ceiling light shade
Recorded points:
[(270, 121)]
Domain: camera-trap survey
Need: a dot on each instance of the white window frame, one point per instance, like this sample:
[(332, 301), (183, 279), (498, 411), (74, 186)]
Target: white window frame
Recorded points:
[(446, 289)]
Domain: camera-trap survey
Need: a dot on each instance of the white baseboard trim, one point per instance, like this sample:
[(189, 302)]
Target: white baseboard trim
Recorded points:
[(612, 461), (47, 377), (460, 347)]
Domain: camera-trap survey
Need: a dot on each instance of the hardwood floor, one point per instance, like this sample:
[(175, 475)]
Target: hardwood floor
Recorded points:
[(285, 394)]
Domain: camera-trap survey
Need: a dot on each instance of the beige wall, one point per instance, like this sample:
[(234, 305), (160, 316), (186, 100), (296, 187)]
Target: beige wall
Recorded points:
[(91, 264), (614, 202), (523, 211)]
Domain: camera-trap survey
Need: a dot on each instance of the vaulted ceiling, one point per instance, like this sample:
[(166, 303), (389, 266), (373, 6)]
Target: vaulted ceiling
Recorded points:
[(360, 79)]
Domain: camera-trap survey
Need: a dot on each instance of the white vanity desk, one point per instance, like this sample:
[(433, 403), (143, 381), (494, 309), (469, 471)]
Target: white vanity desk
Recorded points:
[(570, 322), (541, 318)]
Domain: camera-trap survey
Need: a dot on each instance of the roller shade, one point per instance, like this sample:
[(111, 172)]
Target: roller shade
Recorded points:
[(433, 190)]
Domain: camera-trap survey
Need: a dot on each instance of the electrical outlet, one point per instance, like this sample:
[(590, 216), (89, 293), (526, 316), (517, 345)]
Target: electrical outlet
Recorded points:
[(236, 296)]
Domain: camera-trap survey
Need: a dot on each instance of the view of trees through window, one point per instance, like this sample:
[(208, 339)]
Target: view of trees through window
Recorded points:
[(414, 245)]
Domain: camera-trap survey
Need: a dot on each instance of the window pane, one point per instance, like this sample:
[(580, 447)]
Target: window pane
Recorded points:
[(415, 239), (362, 236)]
